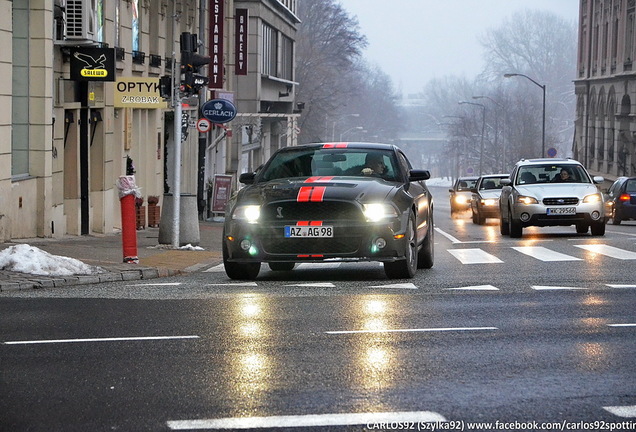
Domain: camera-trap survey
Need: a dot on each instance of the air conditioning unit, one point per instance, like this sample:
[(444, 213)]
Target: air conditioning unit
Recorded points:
[(80, 22)]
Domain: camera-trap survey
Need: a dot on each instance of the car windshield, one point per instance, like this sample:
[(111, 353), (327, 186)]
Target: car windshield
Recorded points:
[(331, 162), (551, 173), (466, 184), (491, 183)]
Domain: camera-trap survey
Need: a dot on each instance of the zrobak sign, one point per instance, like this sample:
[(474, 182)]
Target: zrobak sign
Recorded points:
[(218, 111)]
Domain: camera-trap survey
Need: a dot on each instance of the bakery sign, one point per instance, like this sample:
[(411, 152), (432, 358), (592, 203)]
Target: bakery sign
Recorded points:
[(136, 92)]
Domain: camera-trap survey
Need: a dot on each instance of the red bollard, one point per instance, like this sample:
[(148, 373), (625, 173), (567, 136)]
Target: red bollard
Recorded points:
[(129, 229)]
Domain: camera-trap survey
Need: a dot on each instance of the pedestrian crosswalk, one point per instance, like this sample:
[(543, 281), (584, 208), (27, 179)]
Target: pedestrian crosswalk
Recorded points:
[(583, 252)]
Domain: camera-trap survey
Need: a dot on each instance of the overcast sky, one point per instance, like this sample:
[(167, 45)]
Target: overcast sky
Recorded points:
[(414, 41)]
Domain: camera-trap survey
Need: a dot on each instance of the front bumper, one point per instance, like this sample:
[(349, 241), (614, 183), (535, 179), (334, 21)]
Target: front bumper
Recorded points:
[(537, 214)]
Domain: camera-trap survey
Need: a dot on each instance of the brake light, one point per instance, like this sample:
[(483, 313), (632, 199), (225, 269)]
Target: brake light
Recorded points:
[(624, 197)]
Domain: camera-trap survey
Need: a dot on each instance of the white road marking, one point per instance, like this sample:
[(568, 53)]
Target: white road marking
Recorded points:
[(609, 251), (448, 236), (622, 411), (310, 420), (441, 329), (476, 288), (620, 286), (217, 268), (555, 288), (398, 285), (474, 256), (156, 284), (316, 284), (622, 325), (544, 254), (252, 284), (318, 266), (141, 338)]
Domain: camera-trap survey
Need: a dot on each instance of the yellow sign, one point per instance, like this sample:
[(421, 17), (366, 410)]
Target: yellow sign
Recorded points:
[(133, 92), (101, 73)]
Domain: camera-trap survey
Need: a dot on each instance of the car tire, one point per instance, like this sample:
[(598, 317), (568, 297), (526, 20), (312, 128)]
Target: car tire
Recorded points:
[(504, 226), (481, 220), (405, 268), (582, 228), (475, 218), (426, 255), (239, 271), (282, 266), (616, 220), (598, 228), (516, 229)]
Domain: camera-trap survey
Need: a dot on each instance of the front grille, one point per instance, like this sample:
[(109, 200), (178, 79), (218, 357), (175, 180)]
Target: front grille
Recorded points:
[(560, 201), (315, 211)]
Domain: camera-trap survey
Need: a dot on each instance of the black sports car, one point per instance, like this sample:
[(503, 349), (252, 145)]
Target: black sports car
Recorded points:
[(330, 202)]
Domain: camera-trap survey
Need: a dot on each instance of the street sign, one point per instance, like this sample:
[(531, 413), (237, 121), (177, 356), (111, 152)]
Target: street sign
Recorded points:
[(552, 152), (219, 110), (203, 125)]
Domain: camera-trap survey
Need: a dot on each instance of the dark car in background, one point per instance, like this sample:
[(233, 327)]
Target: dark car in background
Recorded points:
[(484, 202), (321, 203), (460, 194), (622, 199)]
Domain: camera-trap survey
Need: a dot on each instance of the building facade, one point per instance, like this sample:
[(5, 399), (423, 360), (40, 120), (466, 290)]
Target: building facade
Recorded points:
[(605, 126), (64, 142)]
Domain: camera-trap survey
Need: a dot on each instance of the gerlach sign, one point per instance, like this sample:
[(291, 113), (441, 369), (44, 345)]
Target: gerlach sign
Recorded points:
[(93, 64)]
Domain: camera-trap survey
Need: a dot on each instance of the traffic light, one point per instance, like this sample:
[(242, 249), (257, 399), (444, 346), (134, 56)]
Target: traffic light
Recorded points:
[(191, 63)]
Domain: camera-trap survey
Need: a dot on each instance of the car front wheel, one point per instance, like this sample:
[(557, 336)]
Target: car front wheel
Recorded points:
[(405, 268), (598, 228), (516, 229), (240, 271), (425, 256), (504, 226)]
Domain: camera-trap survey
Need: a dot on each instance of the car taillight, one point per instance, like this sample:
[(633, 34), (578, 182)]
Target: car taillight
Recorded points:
[(624, 197)]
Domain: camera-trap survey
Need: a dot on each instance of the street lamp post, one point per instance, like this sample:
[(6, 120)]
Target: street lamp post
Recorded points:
[(483, 128), (503, 130), (542, 86), (333, 129), (349, 130)]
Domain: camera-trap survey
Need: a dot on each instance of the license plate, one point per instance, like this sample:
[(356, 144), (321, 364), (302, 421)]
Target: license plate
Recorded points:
[(562, 211), (292, 231)]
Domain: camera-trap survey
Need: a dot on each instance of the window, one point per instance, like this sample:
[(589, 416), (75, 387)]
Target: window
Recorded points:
[(270, 51), (135, 26), (287, 59), (20, 90)]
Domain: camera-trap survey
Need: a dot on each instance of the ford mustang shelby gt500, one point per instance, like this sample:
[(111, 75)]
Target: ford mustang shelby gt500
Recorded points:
[(330, 202)]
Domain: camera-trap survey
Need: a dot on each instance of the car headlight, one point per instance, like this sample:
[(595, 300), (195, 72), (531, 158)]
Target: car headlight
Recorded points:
[(489, 202), (375, 212), (461, 199), (248, 213), (593, 198), (527, 200)]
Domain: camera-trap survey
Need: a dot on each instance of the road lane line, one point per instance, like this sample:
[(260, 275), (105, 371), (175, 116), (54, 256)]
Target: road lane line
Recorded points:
[(140, 338), (448, 236), (610, 251), (155, 284), (555, 288), (407, 285), (441, 329), (622, 325), (215, 269), (620, 286), (622, 411), (544, 254), (310, 420), (245, 284), (314, 284), (474, 256), (475, 288)]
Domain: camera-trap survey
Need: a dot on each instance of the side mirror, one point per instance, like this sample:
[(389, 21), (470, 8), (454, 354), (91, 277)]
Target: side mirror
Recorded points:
[(505, 182), (473, 190), (598, 179), (247, 178), (419, 175), (451, 190)]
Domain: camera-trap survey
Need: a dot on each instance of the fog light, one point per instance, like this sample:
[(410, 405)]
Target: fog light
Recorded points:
[(595, 215), (525, 217), (380, 243), (246, 244)]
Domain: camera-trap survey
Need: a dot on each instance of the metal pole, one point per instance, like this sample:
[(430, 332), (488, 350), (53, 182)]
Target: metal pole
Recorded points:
[(542, 86), (176, 103)]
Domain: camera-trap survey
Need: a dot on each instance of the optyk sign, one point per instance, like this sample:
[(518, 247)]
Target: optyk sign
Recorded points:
[(218, 110)]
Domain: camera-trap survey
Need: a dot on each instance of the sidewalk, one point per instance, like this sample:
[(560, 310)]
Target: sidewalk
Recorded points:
[(106, 251)]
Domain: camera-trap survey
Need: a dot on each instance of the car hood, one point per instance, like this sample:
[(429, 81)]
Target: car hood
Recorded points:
[(490, 194), (316, 189), (559, 190)]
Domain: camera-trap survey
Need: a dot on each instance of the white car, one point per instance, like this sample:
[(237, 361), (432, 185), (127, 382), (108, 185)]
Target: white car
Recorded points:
[(551, 192)]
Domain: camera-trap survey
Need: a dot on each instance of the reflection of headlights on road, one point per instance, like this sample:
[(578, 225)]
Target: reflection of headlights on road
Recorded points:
[(248, 213), (461, 199), (489, 202), (527, 200), (375, 212), (594, 198)]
